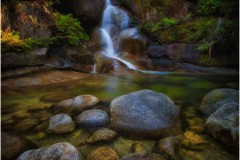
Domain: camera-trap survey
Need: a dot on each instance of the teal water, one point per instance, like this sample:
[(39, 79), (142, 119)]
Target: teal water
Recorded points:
[(24, 110)]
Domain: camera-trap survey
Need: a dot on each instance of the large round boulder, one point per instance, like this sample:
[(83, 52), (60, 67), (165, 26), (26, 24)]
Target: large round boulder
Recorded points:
[(12, 146), (61, 123), (144, 113), (217, 98), (63, 151), (223, 125), (76, 104), (93, 118)]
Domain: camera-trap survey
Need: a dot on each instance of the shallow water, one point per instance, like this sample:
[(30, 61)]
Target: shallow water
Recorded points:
[(24, 110)]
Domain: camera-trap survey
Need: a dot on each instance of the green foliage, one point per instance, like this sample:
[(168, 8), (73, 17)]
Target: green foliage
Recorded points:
[(218, 7), (163, 23), (69, 29), (11, 42)]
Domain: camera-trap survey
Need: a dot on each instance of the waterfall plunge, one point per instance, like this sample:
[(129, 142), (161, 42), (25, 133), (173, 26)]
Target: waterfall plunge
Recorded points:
[(108, 22)]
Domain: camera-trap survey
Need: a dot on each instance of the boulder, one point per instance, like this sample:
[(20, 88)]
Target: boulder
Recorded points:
[(88, 11), (76, 104), (61, 123), (103, 153), (144, 113), (62, 150), (223, 125), (217, 98), (93, 118), (12, 146), (100, 135), (132, 42), (31, 58)]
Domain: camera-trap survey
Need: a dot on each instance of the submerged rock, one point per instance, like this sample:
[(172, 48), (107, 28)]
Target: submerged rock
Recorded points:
[(168, 146), (192, 140), (103, 153), (76, 104), (61, 123), (63, 151), (12, 146), (223, 125), (103, 134), (217, 98), (93, 118), (145, 113)]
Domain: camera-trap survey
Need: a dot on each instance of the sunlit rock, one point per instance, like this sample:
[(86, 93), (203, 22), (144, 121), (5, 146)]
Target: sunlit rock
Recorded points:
[(192, 140)]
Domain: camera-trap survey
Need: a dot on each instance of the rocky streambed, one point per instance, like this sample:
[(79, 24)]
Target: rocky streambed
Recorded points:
[(139, 116)]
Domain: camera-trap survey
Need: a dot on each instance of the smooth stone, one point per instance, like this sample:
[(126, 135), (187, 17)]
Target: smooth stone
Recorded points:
[(140, 149), (61, 151), (223, 125), (21, 114), (103, 153), (144, 113), (77, 104), (216, 98), (93, 118), (61, 123), (12, 146), (101, 135)]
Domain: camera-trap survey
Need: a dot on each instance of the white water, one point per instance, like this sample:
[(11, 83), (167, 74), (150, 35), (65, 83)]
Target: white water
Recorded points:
[(108, 21)]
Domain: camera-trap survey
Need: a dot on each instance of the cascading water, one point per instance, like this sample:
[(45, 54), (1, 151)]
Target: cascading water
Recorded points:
[(108, 22)]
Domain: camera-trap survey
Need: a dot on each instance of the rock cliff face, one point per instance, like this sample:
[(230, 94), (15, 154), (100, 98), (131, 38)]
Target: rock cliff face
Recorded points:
[(88, 11), (31, 19)]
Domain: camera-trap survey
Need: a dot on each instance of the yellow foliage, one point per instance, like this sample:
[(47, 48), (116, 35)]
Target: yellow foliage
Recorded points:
[(10, 39)]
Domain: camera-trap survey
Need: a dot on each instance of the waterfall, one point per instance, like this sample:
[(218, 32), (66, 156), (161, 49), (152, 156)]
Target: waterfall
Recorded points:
[(108, 21)]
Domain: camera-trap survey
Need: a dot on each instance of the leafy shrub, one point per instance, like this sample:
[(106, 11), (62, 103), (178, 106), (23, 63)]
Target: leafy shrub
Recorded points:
[(161, 24), (69, 29), (10, 41)]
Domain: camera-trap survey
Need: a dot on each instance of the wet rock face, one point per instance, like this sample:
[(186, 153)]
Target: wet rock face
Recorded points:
[(93, 118), (31, 58), (34, 19), (88, 11), (76, 104), (177, 51), (223, 125), (143, 114), (132, 42), (105, 153), (12, 146), (63, 151), (217, 98), (61, 123)]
